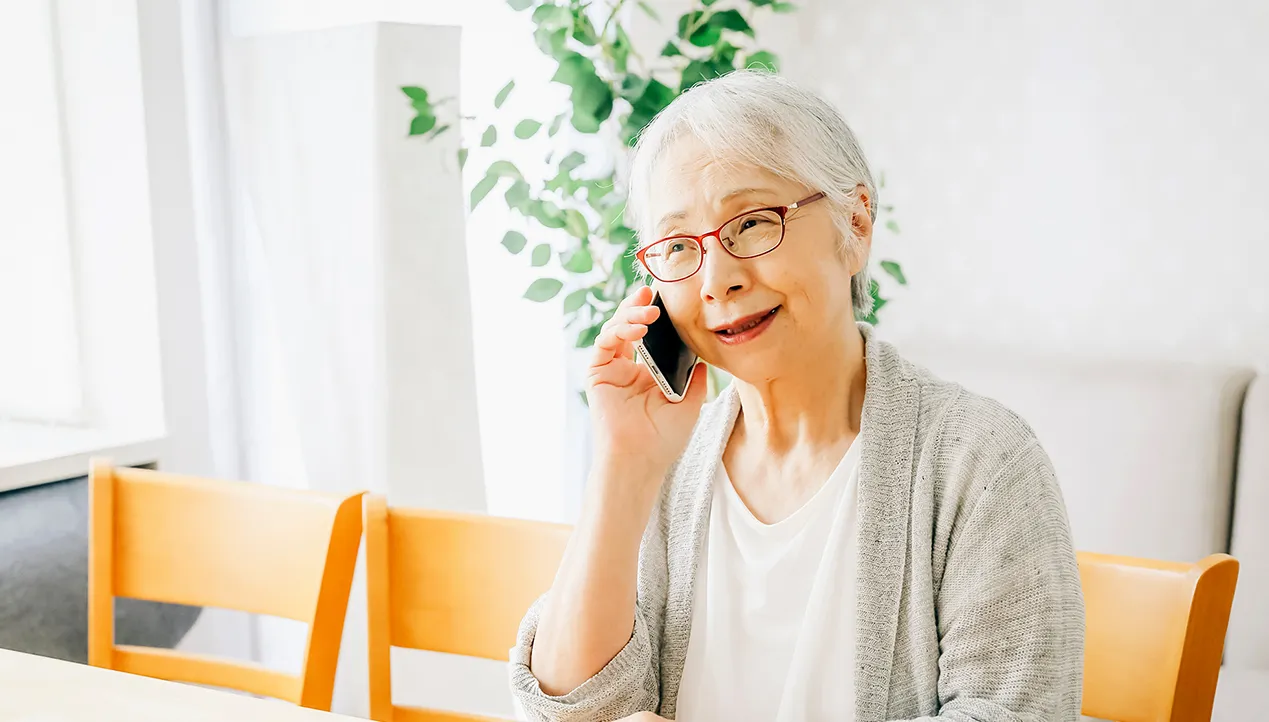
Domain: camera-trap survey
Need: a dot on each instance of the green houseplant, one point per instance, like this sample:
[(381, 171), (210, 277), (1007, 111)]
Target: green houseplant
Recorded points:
[(614, 91)]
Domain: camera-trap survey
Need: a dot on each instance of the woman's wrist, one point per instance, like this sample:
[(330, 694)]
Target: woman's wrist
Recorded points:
[(620, 494)]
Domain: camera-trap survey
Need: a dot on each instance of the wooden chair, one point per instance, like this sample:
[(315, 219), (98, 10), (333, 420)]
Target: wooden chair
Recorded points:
[(234, 545), (448, 582), (1154, 636)]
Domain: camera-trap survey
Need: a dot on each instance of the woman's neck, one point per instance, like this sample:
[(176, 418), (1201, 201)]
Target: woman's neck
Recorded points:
[(818, 403)]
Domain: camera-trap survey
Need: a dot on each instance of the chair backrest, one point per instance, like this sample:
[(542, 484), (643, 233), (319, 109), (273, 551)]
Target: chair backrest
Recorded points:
[(449, 582), (234, 545), (1154, 635)]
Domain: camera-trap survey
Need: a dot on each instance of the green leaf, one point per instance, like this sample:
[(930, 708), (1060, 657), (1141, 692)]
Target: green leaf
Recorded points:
[(584, 31), (731, 20), (552, 42), (611, 216), (555, 125), (783, 7), (584, 122), (519, 5), (707, 3), (504, 169), (725, 54), (543, 289), (415, 93), (482, 189), (489, 137), (622, 236), (575, 223), (698, 71), (517, 195), (647, 9), (586, 338), (699, 32), (760, 3), (575, 300), (596, 190), (625, 266), (881, 183), (526, 128), (621, 45), (462, 158), (578, 261), (501, 97), (895, 272), (438, 130), (571, 161), (422, 124), (656, 96), (552, 16), (541, 255), (633, 87), (671, 50), (764, 59), (546, 213), (892, 225), (514, 241), (574, 69)]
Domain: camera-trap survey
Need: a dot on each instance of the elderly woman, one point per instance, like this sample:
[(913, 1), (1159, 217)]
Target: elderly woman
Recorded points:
[(840, 535)]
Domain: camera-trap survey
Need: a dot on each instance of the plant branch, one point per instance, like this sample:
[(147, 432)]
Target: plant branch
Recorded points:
[(615, 10)]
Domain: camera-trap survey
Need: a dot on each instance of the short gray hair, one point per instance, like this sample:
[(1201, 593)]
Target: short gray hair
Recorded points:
[(767, 121)]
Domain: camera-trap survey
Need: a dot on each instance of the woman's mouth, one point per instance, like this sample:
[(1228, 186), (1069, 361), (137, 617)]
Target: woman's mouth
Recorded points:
[(747, 328)]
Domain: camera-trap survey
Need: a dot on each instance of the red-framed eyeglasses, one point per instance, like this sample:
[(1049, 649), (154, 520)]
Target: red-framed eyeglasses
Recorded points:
[(748, 235)]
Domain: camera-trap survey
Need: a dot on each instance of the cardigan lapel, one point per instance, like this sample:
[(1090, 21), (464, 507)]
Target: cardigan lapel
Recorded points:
[(888, 429), (693, 484)]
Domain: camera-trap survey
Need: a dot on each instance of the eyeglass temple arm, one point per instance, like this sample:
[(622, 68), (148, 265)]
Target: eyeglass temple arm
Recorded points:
[(804, 201)]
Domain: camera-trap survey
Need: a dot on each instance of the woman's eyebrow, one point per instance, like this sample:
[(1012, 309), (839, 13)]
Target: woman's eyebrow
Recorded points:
[(668, 217), (746, 192), (731, 195)]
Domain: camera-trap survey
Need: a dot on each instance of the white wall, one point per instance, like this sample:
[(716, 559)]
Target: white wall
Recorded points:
[(1076, 175)]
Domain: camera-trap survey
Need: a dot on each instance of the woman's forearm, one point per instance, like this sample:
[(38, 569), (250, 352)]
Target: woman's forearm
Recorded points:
[(589, 614)]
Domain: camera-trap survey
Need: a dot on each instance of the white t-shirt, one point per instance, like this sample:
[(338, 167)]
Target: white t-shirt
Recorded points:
[(773, 618)]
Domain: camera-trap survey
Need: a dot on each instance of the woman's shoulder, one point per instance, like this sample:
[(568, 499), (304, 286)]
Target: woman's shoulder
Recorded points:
[(969, 436), (951, 412)]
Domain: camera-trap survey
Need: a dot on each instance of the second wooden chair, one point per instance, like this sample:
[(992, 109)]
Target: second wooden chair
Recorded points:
[(452, 583)]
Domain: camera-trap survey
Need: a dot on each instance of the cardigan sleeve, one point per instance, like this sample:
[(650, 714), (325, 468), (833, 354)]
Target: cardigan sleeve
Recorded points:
[(626, 685), (1010, 608)]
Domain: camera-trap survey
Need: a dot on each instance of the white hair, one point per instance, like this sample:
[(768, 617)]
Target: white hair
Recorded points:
[(769, 122)]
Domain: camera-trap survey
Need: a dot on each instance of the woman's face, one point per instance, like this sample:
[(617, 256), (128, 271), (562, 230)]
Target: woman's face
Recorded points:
[(800, 292)]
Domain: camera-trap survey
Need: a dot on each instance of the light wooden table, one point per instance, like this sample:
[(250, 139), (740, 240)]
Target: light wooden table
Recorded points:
[(40, 689)]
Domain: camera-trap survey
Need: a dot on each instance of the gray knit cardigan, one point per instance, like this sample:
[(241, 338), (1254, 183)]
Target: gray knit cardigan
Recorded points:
[(969, 602)]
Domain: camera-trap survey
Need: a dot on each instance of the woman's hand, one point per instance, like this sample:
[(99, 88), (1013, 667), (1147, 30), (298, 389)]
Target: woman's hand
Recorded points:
[(643, 717), (634, 424)]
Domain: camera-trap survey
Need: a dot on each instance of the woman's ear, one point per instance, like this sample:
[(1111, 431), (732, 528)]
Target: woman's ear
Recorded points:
[(861, 227)]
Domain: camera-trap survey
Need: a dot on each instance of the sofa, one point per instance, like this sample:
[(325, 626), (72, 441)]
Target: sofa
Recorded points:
[(1167, 461)]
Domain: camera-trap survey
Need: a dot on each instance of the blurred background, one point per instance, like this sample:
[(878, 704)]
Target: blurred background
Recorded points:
[(355, 244)]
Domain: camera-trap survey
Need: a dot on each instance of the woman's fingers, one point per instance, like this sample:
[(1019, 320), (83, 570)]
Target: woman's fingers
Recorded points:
[(614, 341), (628, 323), (642, 296), (620, 372)]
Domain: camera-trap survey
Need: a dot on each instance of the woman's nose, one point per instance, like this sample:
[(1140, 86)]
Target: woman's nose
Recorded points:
[(722, 274)]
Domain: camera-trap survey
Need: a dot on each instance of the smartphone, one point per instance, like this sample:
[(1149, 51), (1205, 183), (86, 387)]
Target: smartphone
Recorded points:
[(662, 350)]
